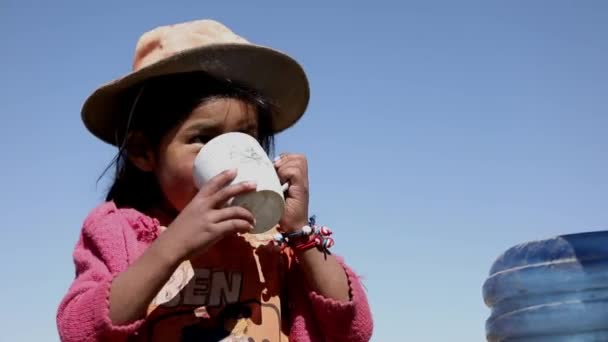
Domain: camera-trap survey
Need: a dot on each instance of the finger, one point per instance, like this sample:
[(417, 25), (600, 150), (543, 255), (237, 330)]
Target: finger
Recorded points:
[(291, 174), (298, 162), (278, 158), (284, 158), (220, 198), (232, 213), (234, 226), (218, 182)]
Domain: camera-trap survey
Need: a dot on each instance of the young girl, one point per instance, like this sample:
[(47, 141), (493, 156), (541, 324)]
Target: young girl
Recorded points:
[(164, 261)]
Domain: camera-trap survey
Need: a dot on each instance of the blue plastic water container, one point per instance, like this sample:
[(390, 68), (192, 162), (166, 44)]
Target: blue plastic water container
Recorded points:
[(553, 290)]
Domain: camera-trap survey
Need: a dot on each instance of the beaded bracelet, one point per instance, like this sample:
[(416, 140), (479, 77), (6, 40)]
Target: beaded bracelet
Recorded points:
[(308, 237)]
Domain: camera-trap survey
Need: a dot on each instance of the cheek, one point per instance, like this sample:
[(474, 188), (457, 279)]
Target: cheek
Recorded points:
[(176, 181)]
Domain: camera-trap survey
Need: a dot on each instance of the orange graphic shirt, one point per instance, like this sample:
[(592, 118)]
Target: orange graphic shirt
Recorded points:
[(233, 297)]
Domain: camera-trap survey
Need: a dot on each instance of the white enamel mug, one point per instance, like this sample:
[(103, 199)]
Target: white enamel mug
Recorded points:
[(242, 152)]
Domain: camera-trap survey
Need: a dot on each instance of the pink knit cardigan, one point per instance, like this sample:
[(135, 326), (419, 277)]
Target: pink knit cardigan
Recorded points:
[(112, 239)]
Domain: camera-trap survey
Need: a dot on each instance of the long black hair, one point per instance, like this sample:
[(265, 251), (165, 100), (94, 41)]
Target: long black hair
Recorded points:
[(159, 105)]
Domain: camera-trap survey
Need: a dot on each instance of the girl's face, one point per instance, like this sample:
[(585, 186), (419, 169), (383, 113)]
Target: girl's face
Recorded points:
[(174, 159)]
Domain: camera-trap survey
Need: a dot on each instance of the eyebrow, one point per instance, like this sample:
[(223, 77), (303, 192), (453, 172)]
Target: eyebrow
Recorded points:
[(203, 125), (215, 126)]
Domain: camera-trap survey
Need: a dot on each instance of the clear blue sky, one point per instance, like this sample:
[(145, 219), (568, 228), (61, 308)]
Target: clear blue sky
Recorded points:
[(439, 134)]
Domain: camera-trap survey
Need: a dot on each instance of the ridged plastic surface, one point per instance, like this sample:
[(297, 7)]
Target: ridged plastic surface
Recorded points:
[(550, 291)]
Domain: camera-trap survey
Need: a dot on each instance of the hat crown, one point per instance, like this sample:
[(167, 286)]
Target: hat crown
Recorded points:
[(166, 41), (199, 46)]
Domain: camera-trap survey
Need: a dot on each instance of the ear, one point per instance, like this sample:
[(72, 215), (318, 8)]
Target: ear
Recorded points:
[(140, 152)]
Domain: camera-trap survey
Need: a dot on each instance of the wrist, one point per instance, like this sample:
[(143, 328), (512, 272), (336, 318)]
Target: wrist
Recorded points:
[(304, 254), (292, 223), (167, 251), (294, 227), (309, 236)]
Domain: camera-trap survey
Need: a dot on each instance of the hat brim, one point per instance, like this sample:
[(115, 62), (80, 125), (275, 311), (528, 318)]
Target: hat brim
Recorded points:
[(273, 74)]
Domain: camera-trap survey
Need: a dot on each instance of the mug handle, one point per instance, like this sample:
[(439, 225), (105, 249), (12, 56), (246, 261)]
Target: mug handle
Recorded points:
[(285, 187)]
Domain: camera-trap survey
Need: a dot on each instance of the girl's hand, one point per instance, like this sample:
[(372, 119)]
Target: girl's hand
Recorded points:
[(293, 168), (205, 220)]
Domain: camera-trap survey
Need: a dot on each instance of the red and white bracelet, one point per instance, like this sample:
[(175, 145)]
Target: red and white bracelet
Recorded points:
[(307, 237)]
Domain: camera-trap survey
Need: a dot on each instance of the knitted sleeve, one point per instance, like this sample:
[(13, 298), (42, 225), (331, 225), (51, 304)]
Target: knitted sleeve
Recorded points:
[(107, 245), (317, 318)]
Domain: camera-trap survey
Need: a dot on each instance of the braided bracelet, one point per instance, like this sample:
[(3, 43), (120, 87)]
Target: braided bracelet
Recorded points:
[(307, 237)]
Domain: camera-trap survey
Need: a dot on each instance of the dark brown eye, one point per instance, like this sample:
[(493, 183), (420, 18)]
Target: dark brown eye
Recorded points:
[(200, 139)]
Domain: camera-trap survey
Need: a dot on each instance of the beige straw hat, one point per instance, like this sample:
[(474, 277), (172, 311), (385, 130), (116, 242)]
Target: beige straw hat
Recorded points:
[(208, 46)]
